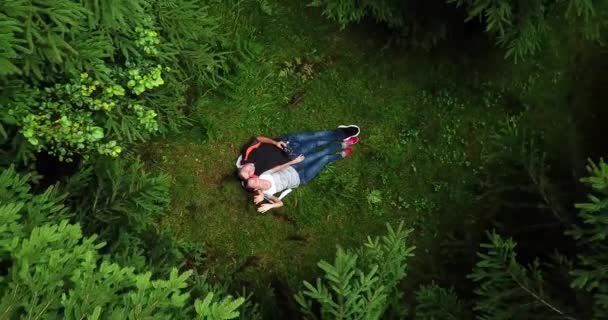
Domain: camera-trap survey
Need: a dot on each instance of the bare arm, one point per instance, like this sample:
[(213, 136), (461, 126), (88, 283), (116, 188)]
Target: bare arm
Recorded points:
[(274, 203), (278, 168), (277, 144)]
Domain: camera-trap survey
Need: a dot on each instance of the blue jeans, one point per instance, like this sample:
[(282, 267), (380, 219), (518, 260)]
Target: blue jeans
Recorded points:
[(314, 163), (306, 142)]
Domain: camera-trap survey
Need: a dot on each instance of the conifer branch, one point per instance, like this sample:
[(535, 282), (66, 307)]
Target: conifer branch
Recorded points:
[(537, 297)]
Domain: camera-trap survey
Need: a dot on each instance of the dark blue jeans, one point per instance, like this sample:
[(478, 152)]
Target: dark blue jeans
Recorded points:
[(306, 142), (314, 163)]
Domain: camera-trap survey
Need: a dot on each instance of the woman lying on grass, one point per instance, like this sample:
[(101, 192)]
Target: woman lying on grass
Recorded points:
[(303, 168)]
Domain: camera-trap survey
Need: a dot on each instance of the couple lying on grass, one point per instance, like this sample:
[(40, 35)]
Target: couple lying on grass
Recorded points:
[(269, 167)]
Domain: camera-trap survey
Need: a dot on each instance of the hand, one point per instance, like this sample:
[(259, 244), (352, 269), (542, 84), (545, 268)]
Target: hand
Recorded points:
[(265, 207), (258, 198), (281, 145), (299, 159)]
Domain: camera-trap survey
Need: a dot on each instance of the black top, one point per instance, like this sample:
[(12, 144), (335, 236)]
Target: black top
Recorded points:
[(264, 156)]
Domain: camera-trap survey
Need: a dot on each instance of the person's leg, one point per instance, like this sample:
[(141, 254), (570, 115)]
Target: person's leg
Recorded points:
[(308, 148), (314, 163), (306, 142), (312, 169), (301, 137), (310, 158)]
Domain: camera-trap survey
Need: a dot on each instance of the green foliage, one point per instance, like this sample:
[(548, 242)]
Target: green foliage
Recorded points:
[(68, 119), (518, 168), (54, 272), (39, 35), (125, 197), (225, 309), (420, 24), (8, 28), (592, 237), (197, 45), (75, 61), (521, 28), (374, 198), (436, 303), (122, 203), (593, 15), (508, 290), (359, 283), (87, 78), (39, 208), (348, 11)]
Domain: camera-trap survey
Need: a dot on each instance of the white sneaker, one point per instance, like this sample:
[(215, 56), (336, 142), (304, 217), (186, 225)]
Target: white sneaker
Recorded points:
[(351, 130)]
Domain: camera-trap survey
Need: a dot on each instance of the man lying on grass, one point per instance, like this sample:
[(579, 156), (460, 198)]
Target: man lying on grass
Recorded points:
[(305, 164)]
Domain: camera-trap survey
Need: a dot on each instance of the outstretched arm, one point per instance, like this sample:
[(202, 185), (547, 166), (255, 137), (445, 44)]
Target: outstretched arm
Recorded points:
[(299, 159), (278, 144), (274, 203)]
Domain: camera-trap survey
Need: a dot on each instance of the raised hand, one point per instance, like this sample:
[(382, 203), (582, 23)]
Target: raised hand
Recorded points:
[(258, 198)]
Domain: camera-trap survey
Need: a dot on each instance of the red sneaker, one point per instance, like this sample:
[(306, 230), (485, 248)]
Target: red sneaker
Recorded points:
[(351, 141), (347, 152)]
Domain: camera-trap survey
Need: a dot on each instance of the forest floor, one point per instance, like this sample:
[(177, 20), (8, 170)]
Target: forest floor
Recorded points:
[(424, 128)]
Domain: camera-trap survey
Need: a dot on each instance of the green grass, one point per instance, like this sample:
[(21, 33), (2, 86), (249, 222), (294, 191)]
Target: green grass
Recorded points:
[(421, 141)]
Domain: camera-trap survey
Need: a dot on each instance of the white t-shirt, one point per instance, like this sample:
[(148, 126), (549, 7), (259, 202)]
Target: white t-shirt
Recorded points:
[(267, 175), (287, 178)]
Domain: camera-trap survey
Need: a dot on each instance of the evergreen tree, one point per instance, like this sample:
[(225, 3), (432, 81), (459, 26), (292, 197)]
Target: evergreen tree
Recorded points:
[(359, 284), (45, 207), (52, 271), (508, 290), (519, 27), (95, 67), (122, 203), (436, 303), (591, 272)]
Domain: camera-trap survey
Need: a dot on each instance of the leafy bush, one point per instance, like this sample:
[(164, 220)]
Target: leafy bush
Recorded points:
[(360, 284), (89, 91)]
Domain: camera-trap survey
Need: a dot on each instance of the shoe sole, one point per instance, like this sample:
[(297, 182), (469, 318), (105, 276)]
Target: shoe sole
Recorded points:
[(351, 125)]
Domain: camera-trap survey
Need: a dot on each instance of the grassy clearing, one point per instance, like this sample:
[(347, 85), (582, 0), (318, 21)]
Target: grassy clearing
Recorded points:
[(421, 144)]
